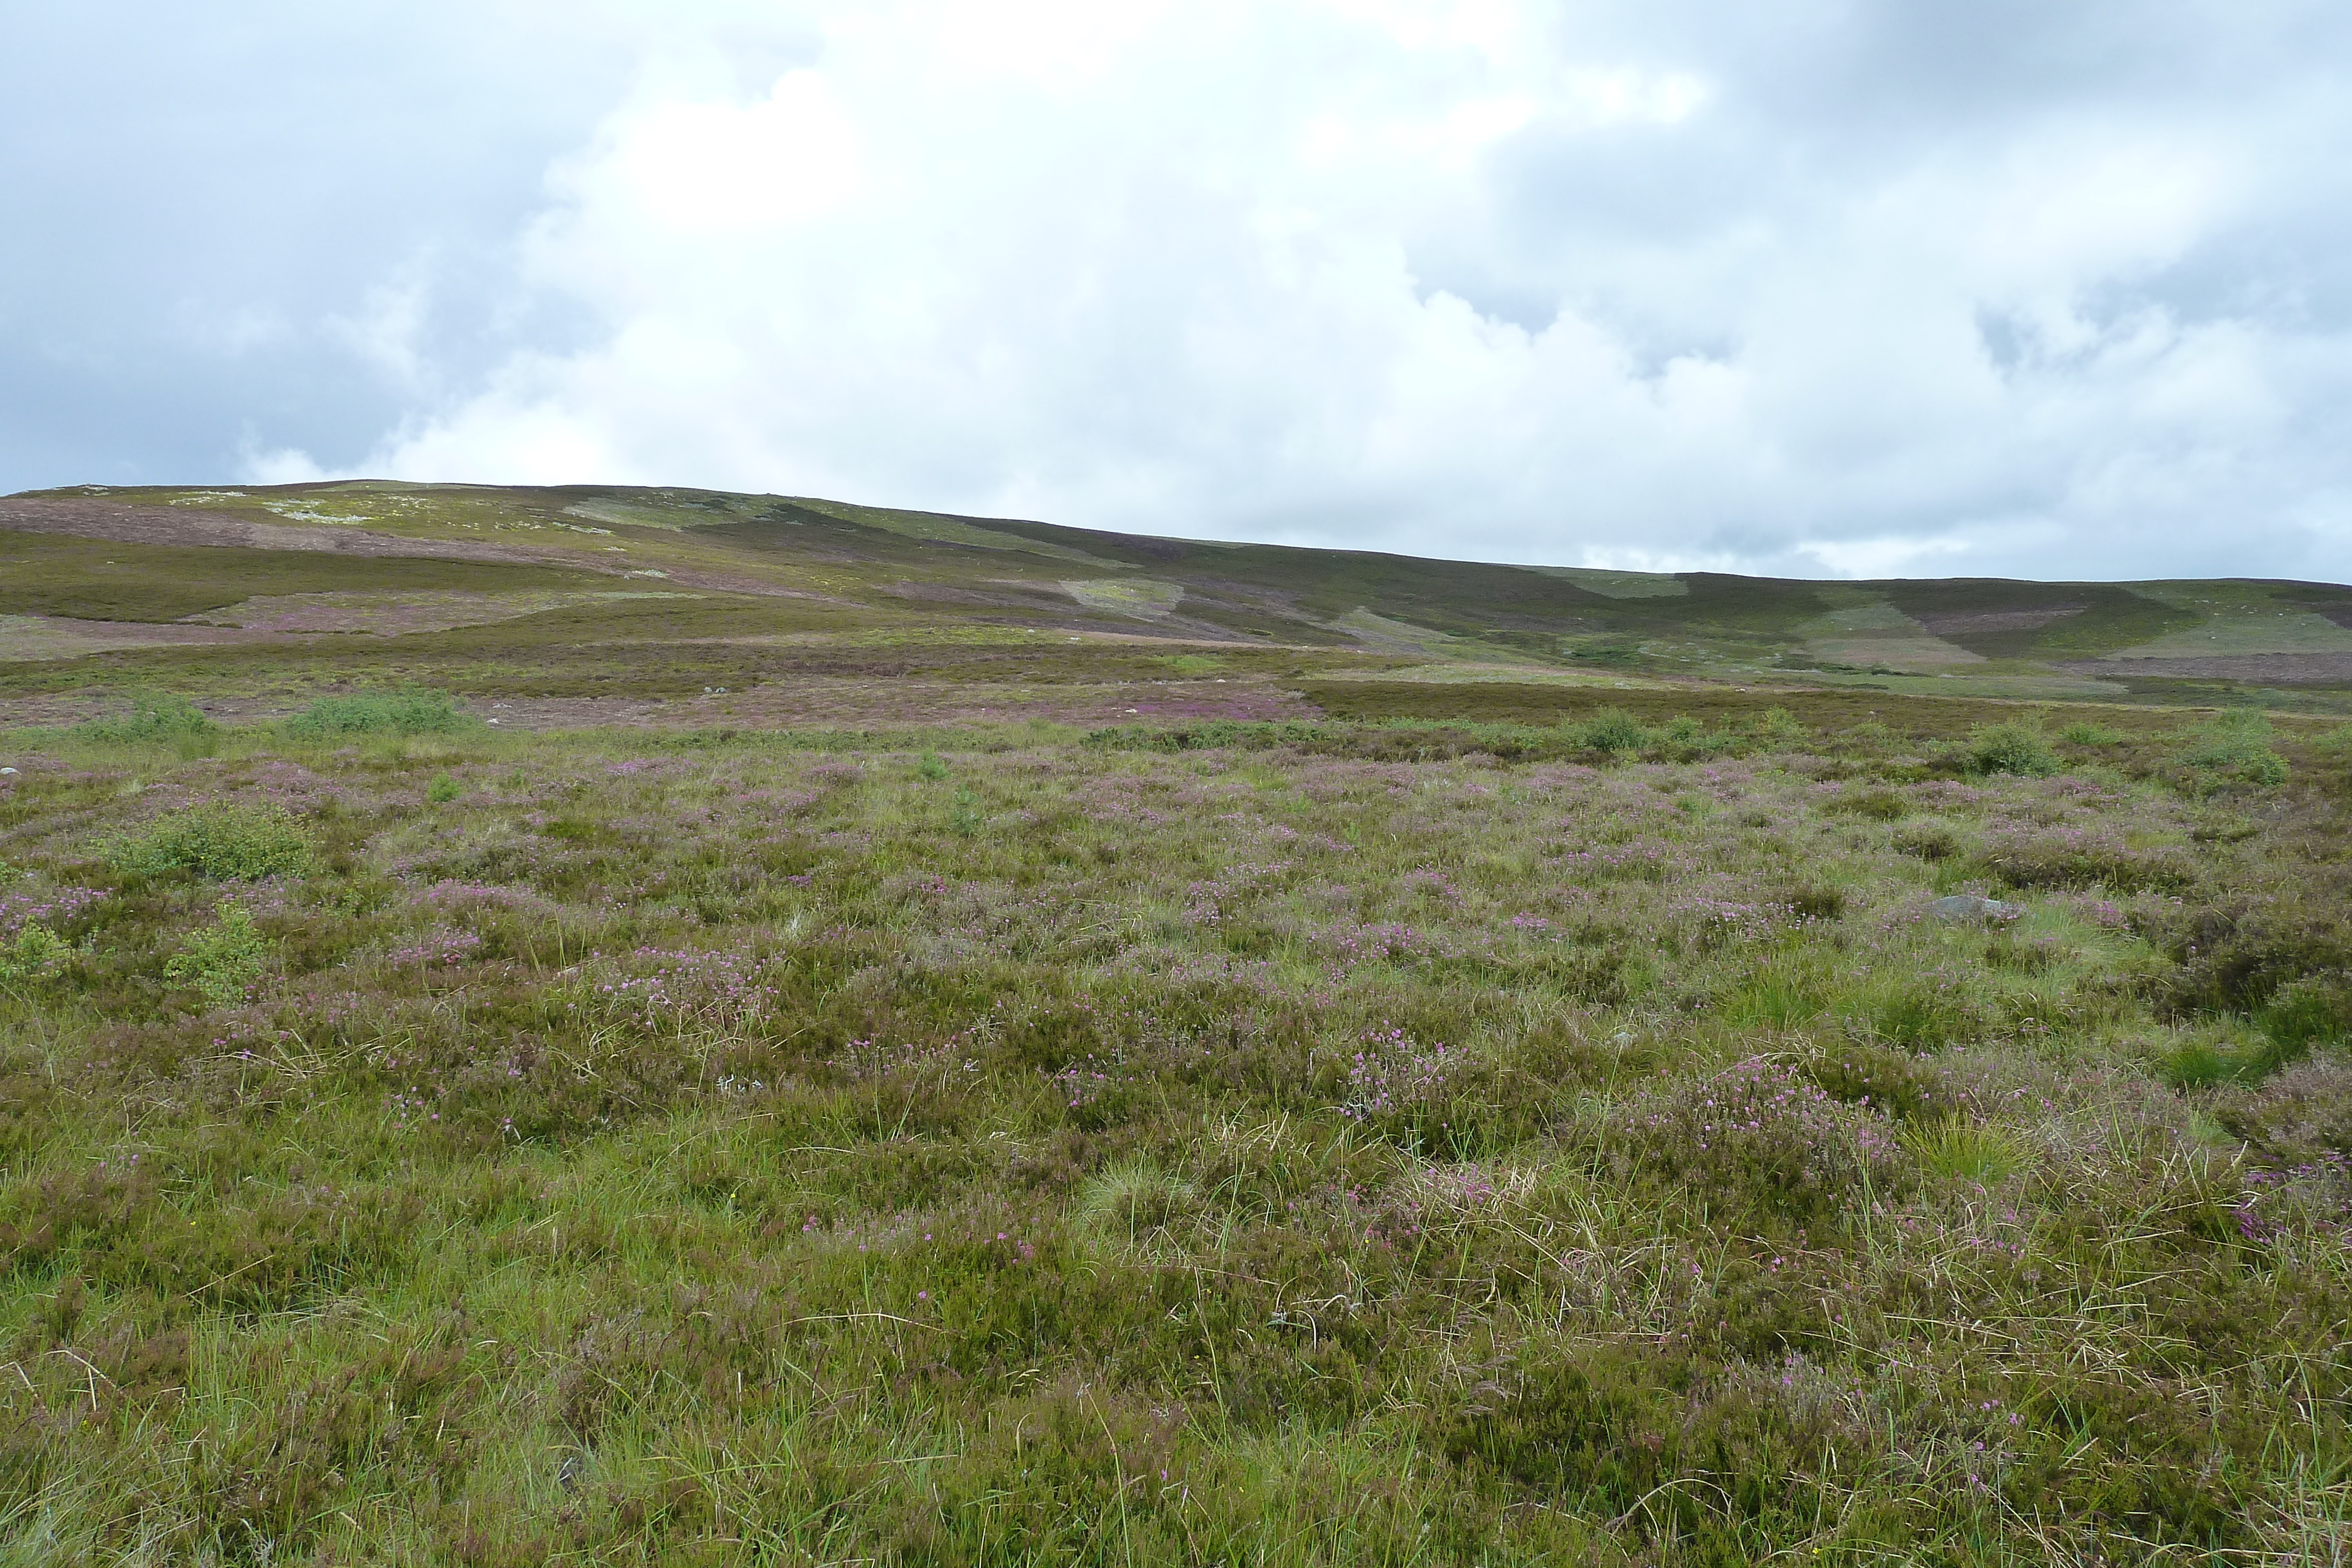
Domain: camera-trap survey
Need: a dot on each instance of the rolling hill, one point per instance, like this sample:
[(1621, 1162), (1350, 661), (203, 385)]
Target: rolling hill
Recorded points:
[(662, 594)]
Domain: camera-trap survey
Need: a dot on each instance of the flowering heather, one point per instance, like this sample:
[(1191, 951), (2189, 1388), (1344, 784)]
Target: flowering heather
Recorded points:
[(48, 906), (440, 950), (1390, 1073), (965, 1146), (1761, 1132)]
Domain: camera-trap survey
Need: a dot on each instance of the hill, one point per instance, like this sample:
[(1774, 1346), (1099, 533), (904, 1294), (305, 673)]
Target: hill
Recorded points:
[(650, 594)]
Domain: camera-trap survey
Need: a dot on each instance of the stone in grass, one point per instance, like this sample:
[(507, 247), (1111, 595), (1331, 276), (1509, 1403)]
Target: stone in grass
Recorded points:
[(1969, 906)]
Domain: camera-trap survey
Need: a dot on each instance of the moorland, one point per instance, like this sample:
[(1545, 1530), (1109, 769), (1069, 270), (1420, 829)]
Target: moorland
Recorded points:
[(594, 1025)]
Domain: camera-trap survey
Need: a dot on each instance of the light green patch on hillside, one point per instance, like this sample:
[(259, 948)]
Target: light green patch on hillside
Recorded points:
[(947, 530), (1619, 584), (2242, 625), (1141, 596), (25, 638), (1456, 674), (2022, 687), (1874, 634), (393, 612)]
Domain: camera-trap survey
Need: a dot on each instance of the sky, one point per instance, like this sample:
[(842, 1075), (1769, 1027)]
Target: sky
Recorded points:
[(1817, 288)]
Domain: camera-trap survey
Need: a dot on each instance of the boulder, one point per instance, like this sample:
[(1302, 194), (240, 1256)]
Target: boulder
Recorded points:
[(1969, 906)]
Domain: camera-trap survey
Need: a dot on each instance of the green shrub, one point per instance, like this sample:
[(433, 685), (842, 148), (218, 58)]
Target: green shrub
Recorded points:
[(407, 710), (2234, 747), (931, 766), (1682, 731), (2083, 732), (221, 961), (1776, 727), (1613, 729), (443, 790), (2013, 747), (2300, 1116), (37, 954), (231, 843), (155, 716)]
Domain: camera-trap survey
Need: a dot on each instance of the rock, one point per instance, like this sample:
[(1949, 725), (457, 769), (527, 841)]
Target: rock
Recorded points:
[(1969, 906)]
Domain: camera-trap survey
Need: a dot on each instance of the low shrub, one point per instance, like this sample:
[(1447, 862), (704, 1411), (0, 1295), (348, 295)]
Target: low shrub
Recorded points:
[(2287, 961), (2085, 857), (1777, 728), (157, 718), (1759, 1133), (1613, 730), (221, 961), (2234, 747), (2298, 1117), (1892, 1083), (405, 710), (2013, 747), (229, 842), (2083, 732), (1928, 841), (35, 956)]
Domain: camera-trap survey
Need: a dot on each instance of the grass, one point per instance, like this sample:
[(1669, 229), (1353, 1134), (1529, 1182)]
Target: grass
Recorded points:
[(973, 1148)]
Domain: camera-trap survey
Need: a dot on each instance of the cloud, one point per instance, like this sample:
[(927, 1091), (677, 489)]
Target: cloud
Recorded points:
[(1838, 288)]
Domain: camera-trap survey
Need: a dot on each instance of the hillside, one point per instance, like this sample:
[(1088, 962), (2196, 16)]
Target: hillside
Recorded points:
[(655, 595)]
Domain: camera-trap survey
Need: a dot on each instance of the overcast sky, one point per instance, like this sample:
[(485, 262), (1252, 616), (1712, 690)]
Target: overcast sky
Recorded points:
[(1912, 287)]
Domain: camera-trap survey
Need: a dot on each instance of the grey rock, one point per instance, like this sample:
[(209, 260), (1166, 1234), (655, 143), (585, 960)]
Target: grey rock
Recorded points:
[(1969, 906)]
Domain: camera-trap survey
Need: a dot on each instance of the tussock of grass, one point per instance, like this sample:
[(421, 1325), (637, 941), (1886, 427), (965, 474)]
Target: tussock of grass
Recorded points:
[(408, 710)]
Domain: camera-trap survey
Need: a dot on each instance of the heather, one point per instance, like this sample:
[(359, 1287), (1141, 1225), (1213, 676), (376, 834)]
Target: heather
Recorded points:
[(1250, 1142)]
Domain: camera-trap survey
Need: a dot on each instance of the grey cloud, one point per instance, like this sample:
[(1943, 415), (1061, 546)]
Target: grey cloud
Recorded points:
[(2008, 287)]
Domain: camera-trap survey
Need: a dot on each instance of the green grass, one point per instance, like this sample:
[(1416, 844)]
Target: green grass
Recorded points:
[(642, 1148)]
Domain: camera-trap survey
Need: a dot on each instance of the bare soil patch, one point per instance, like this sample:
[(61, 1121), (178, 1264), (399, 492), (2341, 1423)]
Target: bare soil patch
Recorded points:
[(2253, 669)]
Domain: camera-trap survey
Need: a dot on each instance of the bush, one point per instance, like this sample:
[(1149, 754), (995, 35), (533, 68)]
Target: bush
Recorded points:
[(2234, 747), (155, 716), (1776, 727), (1892, 1083), (2083, 732), (221, 961), (1612, 730), (37, 954), (2014, 747), (234, 844), (443, 790), (407, 710)]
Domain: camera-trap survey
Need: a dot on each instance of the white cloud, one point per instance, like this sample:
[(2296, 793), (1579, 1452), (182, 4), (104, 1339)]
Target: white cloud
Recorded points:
[(1606, 284)]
